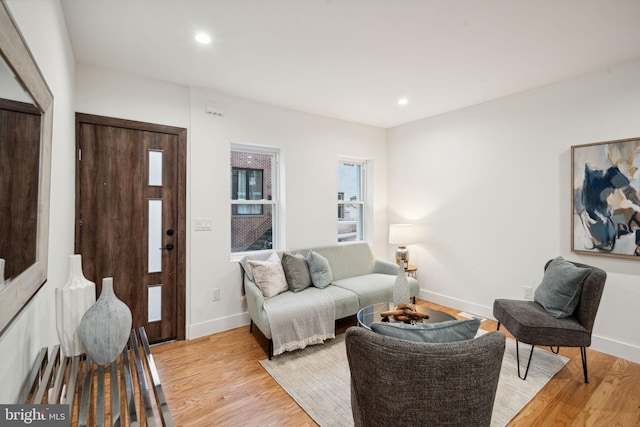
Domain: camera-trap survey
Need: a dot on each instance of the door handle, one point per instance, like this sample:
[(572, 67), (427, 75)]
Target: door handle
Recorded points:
[(169, 247)]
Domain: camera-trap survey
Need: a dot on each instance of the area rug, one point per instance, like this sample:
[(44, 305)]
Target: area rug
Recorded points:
[(317, 377)]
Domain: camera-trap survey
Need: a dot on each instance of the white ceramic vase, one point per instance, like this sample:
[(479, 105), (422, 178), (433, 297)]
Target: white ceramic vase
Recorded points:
[(72, 302), (105, 327), (401, 291)]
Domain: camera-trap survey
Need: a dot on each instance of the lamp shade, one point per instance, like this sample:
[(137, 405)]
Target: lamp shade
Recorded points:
[(401, 234)]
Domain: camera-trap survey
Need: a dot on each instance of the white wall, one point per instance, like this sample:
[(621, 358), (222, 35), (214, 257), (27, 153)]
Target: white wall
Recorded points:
[(310, 148), (489, 187), (107, 93), (42, 24)]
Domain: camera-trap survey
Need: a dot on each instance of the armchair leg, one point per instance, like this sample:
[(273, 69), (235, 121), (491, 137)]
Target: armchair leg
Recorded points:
[(251, 326), (583, 354), (498, 328), (518, 360)]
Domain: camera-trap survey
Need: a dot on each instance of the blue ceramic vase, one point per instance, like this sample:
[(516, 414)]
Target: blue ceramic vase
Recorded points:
[(106, 326)]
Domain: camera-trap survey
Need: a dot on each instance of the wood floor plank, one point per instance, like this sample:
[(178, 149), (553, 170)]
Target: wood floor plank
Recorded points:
[(218, 380), (617, 398)]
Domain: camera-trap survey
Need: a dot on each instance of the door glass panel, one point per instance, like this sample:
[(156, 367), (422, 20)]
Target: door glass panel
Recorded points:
[(155, 168), (154, 298), (155, 235)]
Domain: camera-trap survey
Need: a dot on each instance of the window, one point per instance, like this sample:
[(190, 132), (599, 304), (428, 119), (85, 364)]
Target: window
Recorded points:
[(351, 203), (246, 184), (253, 198)]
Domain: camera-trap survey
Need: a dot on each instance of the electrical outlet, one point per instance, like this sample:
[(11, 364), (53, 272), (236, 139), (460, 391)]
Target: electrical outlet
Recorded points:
[(527, 292), (215, 293)]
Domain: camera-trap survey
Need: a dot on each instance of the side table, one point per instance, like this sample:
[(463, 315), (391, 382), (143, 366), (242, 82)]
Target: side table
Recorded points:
[(411, 270)]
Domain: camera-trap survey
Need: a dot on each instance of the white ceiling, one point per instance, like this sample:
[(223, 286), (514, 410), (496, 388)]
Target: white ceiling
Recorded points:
[(353, 59)]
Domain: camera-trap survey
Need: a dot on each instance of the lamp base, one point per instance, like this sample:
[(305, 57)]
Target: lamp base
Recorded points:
[(402, 256)]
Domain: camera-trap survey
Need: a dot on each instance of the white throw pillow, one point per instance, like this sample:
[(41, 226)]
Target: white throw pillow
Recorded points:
[(269, 276)]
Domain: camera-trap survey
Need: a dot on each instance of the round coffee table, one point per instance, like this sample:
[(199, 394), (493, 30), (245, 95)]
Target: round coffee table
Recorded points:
[(372, 313)]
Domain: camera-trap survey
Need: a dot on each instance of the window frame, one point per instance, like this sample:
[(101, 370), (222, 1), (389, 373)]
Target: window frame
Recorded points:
[(273, 201)]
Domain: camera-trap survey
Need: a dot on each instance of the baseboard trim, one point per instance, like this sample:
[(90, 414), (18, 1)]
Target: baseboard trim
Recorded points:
[(458, 304), (615, 348), (220, 324)]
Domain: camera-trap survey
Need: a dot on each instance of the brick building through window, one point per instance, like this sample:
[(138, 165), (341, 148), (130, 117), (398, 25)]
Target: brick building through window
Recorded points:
[(252, 226)]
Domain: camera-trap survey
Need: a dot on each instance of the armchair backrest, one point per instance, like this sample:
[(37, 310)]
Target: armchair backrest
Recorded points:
[(592, 289), (398, 382)]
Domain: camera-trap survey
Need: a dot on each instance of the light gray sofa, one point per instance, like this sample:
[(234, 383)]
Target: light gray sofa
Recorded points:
[(359, 280)]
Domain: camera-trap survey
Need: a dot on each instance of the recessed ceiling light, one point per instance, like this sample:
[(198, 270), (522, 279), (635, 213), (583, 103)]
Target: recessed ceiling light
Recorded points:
[(403, 101), (203, 38)]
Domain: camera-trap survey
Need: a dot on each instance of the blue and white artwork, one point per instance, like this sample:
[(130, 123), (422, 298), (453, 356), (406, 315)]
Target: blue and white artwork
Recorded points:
[(606, 198)]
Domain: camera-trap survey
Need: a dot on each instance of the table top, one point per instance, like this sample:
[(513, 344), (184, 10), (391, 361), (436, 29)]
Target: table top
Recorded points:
[(372, 313)]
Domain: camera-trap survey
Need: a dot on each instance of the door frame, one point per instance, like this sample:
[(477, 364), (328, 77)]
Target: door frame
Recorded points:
[(181, 228)]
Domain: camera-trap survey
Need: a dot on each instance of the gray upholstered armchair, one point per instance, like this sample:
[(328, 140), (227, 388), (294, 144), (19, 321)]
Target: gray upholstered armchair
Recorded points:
[(531, 323), (399, 382)]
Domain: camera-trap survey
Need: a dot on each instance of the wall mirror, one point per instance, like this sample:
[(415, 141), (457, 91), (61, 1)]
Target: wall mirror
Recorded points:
[(26, 110)]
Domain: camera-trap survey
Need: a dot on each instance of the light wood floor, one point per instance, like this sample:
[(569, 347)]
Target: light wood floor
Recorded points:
[(217, 381)]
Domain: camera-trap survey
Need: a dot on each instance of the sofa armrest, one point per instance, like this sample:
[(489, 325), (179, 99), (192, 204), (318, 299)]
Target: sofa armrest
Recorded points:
[(255, 299), (385, 267), (255, 307)]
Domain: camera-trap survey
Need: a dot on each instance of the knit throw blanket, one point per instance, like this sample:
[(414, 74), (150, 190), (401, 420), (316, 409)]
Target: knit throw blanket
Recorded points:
[(300, 319)]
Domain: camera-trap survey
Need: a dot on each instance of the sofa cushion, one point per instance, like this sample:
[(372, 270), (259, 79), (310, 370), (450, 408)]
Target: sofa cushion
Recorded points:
[(269, 276), (559, 292), (346, 302), (442, 332), (374, 288), (320, 270), (348, 259), (296, 271)]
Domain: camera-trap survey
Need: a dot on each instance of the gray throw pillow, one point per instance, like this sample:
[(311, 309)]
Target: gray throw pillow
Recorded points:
[(559, 292), (296, 271), (442, 332), (321, 275)]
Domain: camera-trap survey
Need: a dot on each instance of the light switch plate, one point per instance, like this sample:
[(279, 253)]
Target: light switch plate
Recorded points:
[(203, 224)]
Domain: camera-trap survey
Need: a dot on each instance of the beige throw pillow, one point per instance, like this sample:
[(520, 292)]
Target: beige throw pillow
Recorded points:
[(269, 276)]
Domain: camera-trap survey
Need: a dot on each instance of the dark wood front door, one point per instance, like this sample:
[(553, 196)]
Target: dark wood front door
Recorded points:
[(19, 171), (130, 217)]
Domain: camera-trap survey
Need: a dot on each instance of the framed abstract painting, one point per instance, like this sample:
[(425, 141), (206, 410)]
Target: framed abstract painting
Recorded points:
[(605, 208)]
